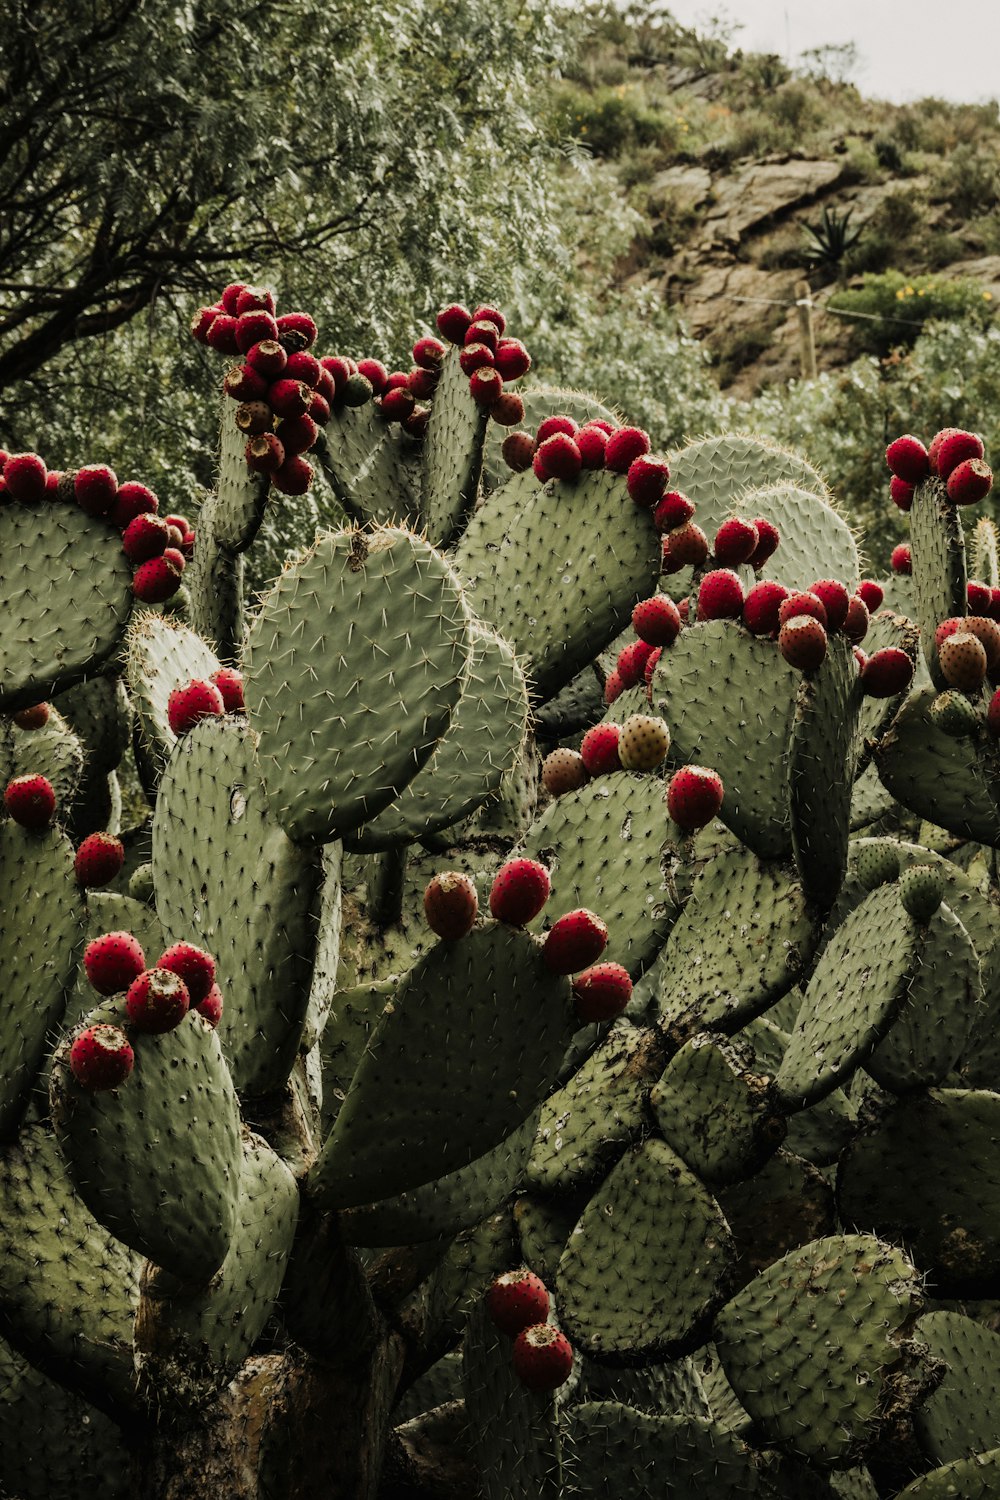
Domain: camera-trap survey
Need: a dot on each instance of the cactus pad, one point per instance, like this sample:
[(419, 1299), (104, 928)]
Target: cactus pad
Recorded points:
[(937, 549), (373, 472), (821, 771), (615, 1450), (162, 654), (715, 1110), (453, 453), (953, 783), (960, 1417)]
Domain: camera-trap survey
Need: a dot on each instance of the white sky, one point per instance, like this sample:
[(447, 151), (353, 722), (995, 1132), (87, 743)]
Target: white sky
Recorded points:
[(909, 48)]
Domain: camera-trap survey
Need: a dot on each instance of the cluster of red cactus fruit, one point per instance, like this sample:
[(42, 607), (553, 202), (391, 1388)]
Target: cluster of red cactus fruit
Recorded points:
[(955, 457), (572, 945), (192, 701), (156, 999), (518, 1306), (490, 358), (968, 654), (640, 744), (159, 547)]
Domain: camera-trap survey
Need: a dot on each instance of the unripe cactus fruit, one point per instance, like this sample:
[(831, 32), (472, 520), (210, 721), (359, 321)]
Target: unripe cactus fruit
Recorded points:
[(720, 596), (954, 715), (372, 369), (512, 359), (520, 889), (643, 743), (592, 442), (550, 426), (685, 546), (265, 453), (802, 602), (761, 606), (542, 1357), (921, 889), (835, 599), (969, 482), (556, 457), (953, 447), (625, 445), (599, 749), (294, 477), (802, 641), (876, 864), (517, 1300), (451, 905), (428, 353), (452, 321), (672, 511), (95, 487), (230, 685), (486, 386), (768, 541), (156, 581), (986, 631), (601, 992), (24, 476), (133, 499), (112, 961), (901, 493), (35, 717), (657, 620), (857, 620), (907, 458), (694, 796), (357, 391), (963, 662), (156, 1001), (574, 942), (30, 801), (735, 542), (194, 965), (871, 594), (101, 1057), (145, 537), (886, 673), (98, 860), (646, 479), (563, 771), (190, 703), (518, 450)]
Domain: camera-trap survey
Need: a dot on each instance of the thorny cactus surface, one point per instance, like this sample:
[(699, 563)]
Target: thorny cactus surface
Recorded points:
[(686, 1027)]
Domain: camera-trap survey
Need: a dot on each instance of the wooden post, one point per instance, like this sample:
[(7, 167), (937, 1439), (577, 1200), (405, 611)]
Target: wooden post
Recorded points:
[(807, 341)]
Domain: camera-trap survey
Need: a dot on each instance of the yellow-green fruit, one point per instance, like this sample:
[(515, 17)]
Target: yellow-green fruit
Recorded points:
[(643, 743), (563, 771)]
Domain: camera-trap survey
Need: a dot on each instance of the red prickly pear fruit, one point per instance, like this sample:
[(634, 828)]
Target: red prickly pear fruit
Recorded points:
[(886, 673), (860, 657), (299, 324), (211, 1007), (768, 541), (720, 596), (451, 905), (194, 965), (30, 801), (993, 716), (613, 686), (482, 332), (551, 426), (954, 448), (987, 633), (415, 425), (485, 313), (934, 446), (900, 561), (265, 453), (643, 743), (606, 427), (978, 596), (735, 542), (517, 1300), (221, 334), (591, 442), (189, 704), (98, 860), (685, 546), (305, 367), (101, 1058), (871, 594), (338, 369), (599, 749), (908, 459), (357, 391), (802, 641), (901, 493), (145, 537), (231, 294), (857, 620), (631, 663), (429, 353), (650, 670), (175, 557), (486, 386), (563, 771), (255, 299), (761, 607), (969, 482), (397, 404), (246, 383), (156, 1001), (994, 609), (802, 602), (294, 477), (253, 327), (288, 398), (835, 599), (230, 685), (254, 416), (672, 511), (508, 409), (422, 383), (95, 487), (556, 457), (625, 445), (296, 435), (512, 359), (477, 357), (326, 386), (694, 797), (684, 610), (574, 942), (542, 1357), (133, 499), (35, 717), (452, 321), (156, 581), (202, 322), (657, 620), (963, 661), (112, 961), (372, 369), (518, 450), (520, 889), (646, 479), (601, 992), (319, 409)]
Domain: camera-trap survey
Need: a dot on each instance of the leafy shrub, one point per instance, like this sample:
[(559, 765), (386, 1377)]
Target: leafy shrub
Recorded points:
[(890, 309)]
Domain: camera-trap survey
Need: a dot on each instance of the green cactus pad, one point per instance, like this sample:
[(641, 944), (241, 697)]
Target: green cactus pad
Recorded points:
[(162, 655), (576, 706), (190, 1342), (729, 699), (482, 742), (953, 783), (453, 453), (52, 751), (856, 992), (740, 943), (870, 801), (67, 596), (941, 1200), (353, 668), (961, 1417), (821, 771), (586, 1125), (714, 1109), (68, 1290), (937, 549), (543, 1227), (441, 1383), (819, 1133), (718, 470), (373, 470), (326, 958), (648, 1263), (603, 846), (786, 1204), (540, 401), (353, 1016), (615, 1450), (41, 923), (240, 494), (809, 1346), (475, 1033), (258, 919), (157, 1161), (672, 1388), (450, 1294), (975, 1478)]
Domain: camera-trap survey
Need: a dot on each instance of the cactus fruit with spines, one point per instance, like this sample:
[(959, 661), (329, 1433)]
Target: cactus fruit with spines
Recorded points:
[(508, 902)]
